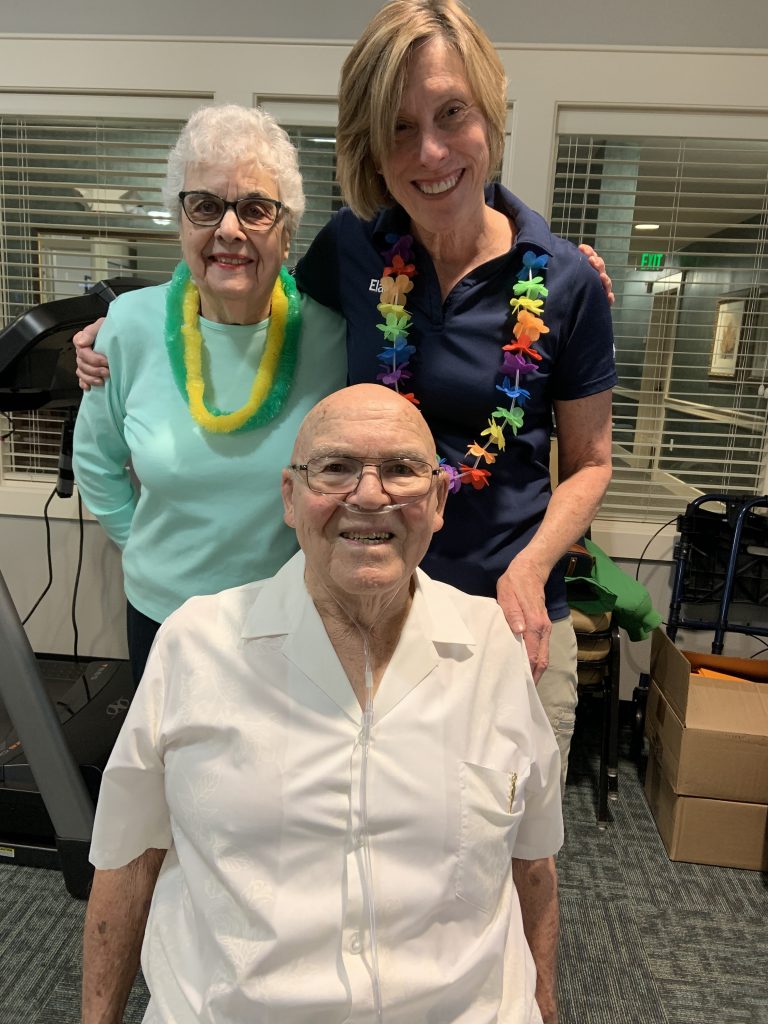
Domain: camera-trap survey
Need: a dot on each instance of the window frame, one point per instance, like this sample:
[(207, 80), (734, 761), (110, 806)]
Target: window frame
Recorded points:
[(627, 122), (21, 496)]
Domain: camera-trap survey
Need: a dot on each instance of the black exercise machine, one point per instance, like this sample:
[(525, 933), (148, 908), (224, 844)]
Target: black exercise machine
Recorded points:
[(51, 760)]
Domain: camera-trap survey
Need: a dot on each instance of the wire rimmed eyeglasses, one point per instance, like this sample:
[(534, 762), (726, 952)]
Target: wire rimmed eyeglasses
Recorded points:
[(341, 474), (207, 210)]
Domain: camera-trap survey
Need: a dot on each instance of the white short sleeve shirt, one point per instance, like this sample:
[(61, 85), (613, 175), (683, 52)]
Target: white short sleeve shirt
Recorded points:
[(242, 755)]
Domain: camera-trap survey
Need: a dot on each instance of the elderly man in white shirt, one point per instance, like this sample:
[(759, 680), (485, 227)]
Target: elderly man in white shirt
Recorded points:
[(336, 796)]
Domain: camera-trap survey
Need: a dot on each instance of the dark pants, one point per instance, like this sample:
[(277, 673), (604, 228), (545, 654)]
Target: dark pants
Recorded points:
[(141, 633)]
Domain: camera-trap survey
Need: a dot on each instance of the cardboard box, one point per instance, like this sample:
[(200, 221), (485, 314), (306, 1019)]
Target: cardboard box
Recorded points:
[(708, 758), (709, 735), (703, 831), (696, 698)]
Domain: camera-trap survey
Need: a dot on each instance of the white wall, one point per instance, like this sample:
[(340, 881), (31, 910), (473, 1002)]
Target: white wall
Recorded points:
[(173, 76), (100, 609), (690, 23)]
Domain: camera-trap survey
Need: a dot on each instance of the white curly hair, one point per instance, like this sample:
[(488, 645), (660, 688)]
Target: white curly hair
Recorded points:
[(229, 135)]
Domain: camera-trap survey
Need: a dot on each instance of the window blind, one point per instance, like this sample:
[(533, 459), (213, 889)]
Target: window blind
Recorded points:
[(80, 202), (30, 444), (682, 224), (317, 160)]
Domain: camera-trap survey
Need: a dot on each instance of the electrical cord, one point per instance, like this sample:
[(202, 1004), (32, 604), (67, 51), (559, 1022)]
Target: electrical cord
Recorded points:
[(62, 490), (653, 538), (33, 609), (11, 429), (77, 574), (48, 585), (75, 591), (760, 640)]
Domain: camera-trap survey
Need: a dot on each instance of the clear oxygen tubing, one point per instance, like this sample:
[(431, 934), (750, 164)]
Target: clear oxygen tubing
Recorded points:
[(366, 847), (365, 738), (375, 512)]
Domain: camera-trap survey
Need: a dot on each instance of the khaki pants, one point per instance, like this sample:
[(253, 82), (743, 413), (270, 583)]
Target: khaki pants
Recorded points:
[(557, 688)]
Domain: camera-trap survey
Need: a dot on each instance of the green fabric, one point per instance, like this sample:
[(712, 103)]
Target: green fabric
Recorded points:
[(610, 589)]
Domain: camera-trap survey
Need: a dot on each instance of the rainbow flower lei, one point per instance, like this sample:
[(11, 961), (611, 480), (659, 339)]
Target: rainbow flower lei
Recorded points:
[(519, 356)]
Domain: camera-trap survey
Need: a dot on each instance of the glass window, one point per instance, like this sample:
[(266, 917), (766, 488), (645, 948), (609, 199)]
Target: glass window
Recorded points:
[(683, 227), (317, 160), (81, 202)]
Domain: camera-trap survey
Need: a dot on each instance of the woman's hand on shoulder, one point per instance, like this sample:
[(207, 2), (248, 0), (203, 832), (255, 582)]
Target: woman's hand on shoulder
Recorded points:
[(92, 367), (597, 261)]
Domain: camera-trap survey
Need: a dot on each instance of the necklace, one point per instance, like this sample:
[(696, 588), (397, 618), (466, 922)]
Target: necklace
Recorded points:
[(519, 356), (275, 373)]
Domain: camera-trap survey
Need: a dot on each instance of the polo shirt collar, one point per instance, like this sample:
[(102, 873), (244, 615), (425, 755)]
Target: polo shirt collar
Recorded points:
[(532, 229), (390, 220), (283, 607)]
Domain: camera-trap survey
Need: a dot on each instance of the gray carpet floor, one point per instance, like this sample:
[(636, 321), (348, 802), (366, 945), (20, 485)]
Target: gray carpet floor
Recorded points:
[(644, 941)]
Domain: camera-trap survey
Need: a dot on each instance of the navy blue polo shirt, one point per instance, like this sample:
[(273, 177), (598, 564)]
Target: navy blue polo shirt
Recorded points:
[(455, 370)]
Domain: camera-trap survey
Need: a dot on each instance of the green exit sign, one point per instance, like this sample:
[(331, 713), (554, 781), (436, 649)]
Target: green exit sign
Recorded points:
[(651, 260)]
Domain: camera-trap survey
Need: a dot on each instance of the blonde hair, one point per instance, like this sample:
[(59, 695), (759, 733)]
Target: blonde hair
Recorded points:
[(373, 78), (229, 135)]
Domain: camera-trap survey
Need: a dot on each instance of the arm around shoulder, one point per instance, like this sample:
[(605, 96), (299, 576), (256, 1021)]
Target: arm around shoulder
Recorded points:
[(92, 366)]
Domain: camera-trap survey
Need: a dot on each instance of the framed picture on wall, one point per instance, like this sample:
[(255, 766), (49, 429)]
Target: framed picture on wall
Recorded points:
[(729, 321), (758, 361)]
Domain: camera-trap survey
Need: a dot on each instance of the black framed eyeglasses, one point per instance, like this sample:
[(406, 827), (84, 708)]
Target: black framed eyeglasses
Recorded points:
[(341, 474), (206, 210)]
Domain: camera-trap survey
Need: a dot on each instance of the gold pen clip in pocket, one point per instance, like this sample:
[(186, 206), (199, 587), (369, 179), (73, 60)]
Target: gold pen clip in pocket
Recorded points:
[(512, 787)]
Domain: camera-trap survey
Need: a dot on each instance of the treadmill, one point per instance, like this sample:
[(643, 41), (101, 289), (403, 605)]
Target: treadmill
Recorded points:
[(55, 733)]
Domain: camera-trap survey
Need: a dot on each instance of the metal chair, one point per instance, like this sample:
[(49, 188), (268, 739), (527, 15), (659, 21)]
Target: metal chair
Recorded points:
[(599, 665)]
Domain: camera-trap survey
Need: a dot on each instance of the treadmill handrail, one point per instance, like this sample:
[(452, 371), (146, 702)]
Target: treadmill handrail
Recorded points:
[(34, 717)]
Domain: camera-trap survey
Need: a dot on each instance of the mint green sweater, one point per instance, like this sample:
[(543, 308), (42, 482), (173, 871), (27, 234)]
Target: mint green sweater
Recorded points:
[(208, 512)]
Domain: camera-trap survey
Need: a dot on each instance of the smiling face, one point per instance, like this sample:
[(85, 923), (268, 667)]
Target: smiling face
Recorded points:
[(233, 267), (356, 555), (439, 159)]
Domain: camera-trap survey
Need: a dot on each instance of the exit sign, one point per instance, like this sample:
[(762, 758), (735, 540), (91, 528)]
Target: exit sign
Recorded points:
[(651, 260)]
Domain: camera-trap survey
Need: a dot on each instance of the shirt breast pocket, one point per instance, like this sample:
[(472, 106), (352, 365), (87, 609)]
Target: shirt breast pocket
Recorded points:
[(491, 809)]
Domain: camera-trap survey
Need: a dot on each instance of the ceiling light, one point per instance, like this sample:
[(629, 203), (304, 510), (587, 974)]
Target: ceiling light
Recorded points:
[(647, 227), (162, 217)]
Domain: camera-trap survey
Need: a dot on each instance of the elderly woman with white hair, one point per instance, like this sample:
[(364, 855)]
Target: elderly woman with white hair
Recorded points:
[(211, 375)]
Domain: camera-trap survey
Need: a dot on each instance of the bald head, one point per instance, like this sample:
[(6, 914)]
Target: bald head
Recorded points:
[(355, 412), (360, 560)]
